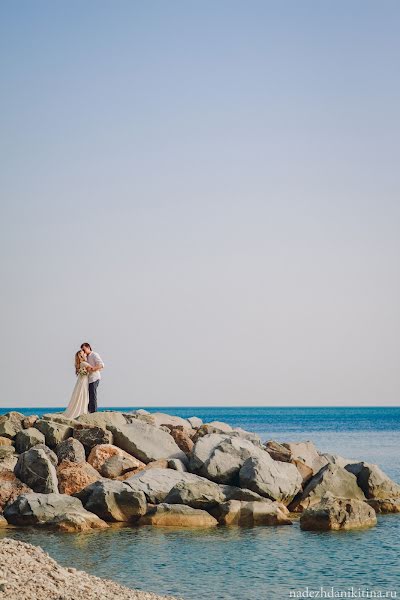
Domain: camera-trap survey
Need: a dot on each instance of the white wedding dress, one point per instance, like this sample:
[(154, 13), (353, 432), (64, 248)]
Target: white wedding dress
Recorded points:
[(78, 404)]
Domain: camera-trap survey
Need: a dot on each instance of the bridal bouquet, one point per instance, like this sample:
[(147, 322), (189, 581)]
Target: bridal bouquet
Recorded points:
[(82, 371)]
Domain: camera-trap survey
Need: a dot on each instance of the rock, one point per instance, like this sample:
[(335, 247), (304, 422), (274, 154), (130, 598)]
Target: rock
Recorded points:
[(52, 510), (28, 422), (49, 453), (219, 457), (146, 442), (177, 515), (93, 436), (197, 493), (3, 523), (10, 424), (182, 439), (72, 450), (27, 438), (10, 487), (232, 492), (389, 505), (103, 419), (116, 466), (305, 471), (206, 429), (73, 477), (157, 483), (195, 422), (248, 514), (338, 460), (176, 464), (307, 453), (53, 432), (8, 462), (160, 418), (36, 470), (6, 451), (61, 419), (101, 454), (4, 441), (220, 426), (145, 417), (270, 478), (278, 451), (330, 478), (337, 513), (247, 435), (113, 501), (161, 463), (374, 482)]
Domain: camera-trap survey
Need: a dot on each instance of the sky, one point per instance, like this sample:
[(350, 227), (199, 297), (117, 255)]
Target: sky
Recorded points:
[(208, 193)]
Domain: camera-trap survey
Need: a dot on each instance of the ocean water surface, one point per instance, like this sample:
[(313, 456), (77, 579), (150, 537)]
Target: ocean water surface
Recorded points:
[(262, 562)]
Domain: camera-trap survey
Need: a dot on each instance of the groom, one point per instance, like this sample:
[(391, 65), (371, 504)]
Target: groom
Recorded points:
[(97, 364)]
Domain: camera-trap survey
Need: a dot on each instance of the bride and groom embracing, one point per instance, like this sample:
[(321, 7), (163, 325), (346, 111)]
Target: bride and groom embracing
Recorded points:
[(88, 365)]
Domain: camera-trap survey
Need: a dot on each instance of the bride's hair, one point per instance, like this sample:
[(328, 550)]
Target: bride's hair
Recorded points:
[(78, 359)]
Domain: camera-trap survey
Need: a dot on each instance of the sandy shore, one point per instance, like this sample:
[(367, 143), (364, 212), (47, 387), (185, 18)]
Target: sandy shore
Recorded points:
[(28, 573)]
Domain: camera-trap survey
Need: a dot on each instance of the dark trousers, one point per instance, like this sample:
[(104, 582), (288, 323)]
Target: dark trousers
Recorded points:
[(92, 407)]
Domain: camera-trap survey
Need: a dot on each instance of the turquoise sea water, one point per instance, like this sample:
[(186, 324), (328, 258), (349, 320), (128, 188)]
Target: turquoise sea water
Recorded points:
[(255, 563)]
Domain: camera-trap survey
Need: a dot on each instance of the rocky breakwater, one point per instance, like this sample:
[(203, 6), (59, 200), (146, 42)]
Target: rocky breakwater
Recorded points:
[(166, 471)]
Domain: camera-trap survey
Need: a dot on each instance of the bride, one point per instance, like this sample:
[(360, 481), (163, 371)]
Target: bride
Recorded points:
[(78, 404)]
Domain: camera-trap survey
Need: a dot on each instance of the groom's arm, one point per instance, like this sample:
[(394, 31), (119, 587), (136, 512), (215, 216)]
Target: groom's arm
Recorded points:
[(98, 363)]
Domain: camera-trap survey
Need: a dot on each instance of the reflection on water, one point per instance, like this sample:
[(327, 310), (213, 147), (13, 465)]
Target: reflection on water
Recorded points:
[(230, 563)]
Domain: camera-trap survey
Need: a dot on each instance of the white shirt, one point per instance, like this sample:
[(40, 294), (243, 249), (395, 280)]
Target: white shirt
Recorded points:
[(94, 360)]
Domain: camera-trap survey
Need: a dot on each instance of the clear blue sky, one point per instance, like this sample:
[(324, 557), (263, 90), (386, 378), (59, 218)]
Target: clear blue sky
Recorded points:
[(209, 193)]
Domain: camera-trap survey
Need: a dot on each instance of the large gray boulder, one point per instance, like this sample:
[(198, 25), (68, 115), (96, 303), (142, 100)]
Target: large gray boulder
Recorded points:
[(53, 432), (27, 438), (247, 435), (307, 453), (270, 478), (10, 424), (232, 492), (220, 425), (60, 418), (93, 436), (160, 418), (177, 515), (219, 457), (113, 501), (337, 513), (330, 478), (195, 422), (336, 459), (36, 470), (374, 482), (146, 442), (156, 483), (103, 419), (49, 453), (51, 510), (72, 450), (248, 514), (197, 493)]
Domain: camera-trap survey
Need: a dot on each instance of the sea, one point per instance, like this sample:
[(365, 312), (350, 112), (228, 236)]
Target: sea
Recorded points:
[(256, 563)]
